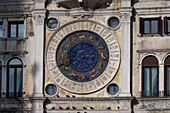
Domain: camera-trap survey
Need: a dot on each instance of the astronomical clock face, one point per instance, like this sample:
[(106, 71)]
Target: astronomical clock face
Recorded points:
[(82, 57)]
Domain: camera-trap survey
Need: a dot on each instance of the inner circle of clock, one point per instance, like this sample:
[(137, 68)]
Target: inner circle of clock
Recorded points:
[(82, 56)]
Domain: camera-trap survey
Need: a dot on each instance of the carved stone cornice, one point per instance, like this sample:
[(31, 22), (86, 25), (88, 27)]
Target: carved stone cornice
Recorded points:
[(104, 99), (37, 98), (125, 14), (39, 16), (39, 1), (125, 17)]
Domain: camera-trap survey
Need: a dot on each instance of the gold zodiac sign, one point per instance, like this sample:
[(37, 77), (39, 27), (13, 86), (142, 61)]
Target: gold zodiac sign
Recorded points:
[(101, 47), (91, 38), (98, 43), (72, 41), (100, 65), (102, 55), (66, 68), (82, 37), (66, 61), (93, 72), (65, 52), (72, 74), (62, 54), (83, 77)]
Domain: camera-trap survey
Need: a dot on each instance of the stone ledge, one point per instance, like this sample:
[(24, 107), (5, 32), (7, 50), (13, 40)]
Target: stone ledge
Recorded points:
[(13, 52), (90, 99), (14, 39), (152, 50), (153, 98)]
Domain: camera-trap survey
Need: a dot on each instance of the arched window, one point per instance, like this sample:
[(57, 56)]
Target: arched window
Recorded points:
[(14, 78), (150, 76), (167, 76)]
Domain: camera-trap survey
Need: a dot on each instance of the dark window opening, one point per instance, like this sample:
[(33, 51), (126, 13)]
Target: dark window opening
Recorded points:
[(150, 25), (112, 89), (14, 78), (51, 89), (1, 29), (0, 77), (167, 77), (150, 77), (16, 29), (166, 25)]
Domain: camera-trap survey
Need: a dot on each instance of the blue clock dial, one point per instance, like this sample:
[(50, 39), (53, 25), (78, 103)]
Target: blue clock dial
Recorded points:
[(82, 56)]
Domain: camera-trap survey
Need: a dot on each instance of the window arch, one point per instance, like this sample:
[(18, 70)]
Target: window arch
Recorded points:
[(167, 76), (14, 78), (150, 76)]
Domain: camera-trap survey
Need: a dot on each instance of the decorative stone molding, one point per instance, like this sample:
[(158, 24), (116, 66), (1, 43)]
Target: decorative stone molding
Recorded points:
[(80, 13), (91, 99), (125, 17), (93, 4), (39, 16), (39, 19)]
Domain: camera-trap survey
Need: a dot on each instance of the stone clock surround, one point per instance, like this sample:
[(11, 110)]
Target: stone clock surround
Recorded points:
[(104, 78)]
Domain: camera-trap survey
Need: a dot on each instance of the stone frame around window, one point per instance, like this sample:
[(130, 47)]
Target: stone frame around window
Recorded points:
[(5, 23), (116, 93), (51, 17), (142, 27), (4, 73), (50, 83), (107, 22)]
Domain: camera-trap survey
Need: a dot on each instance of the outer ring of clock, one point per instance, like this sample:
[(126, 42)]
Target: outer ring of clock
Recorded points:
[(82, 87)]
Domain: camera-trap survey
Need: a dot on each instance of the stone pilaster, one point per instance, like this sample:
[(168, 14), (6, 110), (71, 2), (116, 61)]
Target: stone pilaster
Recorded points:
[(39, 16), (161, 78), (4, 79), (125, 14), (37, 104)]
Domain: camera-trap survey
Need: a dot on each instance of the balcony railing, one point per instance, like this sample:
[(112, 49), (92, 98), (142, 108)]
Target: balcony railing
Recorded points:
[(154, 93), (15, 94), (166, 93), (149, 93)]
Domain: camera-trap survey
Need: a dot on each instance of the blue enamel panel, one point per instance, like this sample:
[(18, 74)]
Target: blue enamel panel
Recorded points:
[(82, 56)]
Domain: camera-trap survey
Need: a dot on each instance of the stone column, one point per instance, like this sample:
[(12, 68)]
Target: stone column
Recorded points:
[(39, 16), (37, 99), (161, 78), (4, 84), (4, 66), (125, 14), (140, 80)]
